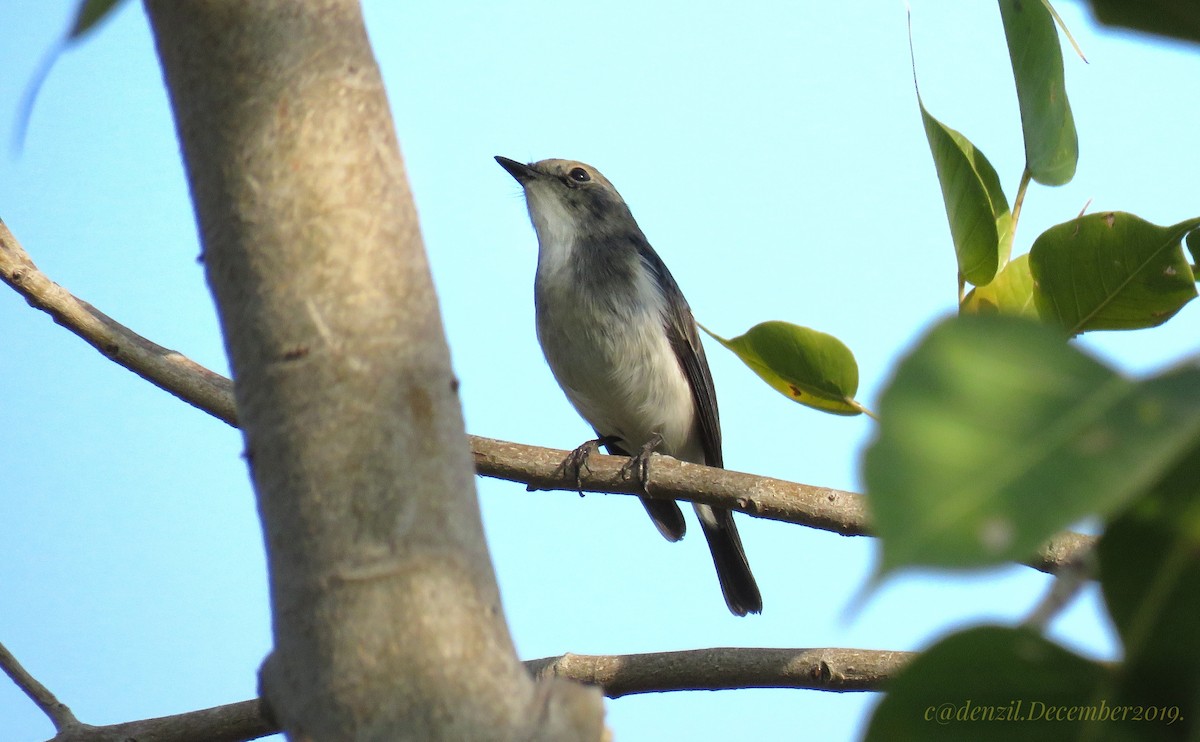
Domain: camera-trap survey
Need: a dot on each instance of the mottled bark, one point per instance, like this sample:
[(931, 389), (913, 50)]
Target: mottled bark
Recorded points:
[(386, 617)]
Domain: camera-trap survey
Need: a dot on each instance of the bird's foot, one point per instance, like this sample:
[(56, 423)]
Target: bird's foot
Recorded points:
[(576, 461), (639, 464)]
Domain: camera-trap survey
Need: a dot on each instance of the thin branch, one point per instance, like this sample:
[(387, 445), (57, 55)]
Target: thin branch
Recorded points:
[(234, 722), (1066, 586), (728, 668), (720, 668), (670, 479), (163, 367), (822, 508), (231, 723), (59, 714), (807, 505)]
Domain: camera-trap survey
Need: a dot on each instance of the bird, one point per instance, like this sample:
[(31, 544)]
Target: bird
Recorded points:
[(622, 343)]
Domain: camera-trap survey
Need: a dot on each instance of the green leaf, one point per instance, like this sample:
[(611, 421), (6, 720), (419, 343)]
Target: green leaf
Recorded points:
[(1011, 292), (995, 192), (994, 434), (1193, 246), (975, 204), (1177, 19), (1151, 581), (1111, 271), (991, 683), (981, 224), (89, 14), (1051, 143), (809, 367)]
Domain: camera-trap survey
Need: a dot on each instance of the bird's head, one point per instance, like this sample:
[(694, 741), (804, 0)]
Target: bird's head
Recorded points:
[(567, 199)]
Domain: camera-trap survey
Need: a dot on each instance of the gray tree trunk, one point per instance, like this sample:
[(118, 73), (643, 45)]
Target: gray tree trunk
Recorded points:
[(386, 616)]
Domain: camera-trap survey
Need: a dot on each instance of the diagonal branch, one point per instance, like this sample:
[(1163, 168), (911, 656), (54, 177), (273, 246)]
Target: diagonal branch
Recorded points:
[(58, 712), (807, 505), (165, 368), (720, 668)]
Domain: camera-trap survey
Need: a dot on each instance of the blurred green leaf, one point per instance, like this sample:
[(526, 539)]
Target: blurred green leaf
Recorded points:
[(1011, 292), (809, 367), (1051, 143), (975, 204), (1150, 575), (1178, 19), (1111, 271), (88, 14), (1193, 246), (989, 683), (994, 434)]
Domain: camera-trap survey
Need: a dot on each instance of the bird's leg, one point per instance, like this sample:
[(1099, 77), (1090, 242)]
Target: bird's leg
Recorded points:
[(576, 461), (639, 463)]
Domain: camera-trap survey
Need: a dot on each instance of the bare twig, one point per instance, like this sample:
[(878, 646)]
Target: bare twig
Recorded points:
[(58, 712), (231, 723), (728, 668), (719, 668), (167, 369), (822, 508), (1068, 583), (816, 507), (234, 722)]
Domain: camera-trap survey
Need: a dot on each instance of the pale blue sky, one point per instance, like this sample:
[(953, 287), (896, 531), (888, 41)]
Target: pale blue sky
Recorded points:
[(775, 158)]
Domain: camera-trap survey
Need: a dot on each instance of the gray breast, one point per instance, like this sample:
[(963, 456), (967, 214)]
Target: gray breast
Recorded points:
[(601, 329)]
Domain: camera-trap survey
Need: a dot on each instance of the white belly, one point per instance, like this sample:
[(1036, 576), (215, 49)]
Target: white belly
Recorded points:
[(618, 368)]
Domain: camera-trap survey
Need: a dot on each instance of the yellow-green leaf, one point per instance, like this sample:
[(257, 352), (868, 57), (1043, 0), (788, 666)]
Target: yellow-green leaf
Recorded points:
[(1011, 292), (810, 367)]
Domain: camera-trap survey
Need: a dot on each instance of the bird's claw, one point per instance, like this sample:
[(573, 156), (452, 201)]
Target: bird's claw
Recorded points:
[(574, 464), (639, 463), (576, 461)]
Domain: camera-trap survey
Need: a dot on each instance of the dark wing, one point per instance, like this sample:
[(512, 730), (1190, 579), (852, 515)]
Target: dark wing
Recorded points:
[(737, 581), (685, 340), (729, 557)]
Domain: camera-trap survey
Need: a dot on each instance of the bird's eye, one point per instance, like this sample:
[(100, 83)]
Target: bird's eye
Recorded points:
[(579, 175)]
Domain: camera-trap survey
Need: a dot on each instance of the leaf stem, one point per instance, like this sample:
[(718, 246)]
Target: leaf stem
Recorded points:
[(1020, 198), (862, 408), (1061, 24)]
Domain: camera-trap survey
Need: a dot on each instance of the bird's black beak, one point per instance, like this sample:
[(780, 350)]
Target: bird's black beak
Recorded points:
[(522, 172)]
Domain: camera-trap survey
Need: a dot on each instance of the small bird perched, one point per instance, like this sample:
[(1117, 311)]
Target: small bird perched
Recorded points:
[(622, 343)]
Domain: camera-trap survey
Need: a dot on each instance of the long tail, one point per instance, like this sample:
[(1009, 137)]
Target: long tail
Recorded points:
[(737, 581)]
